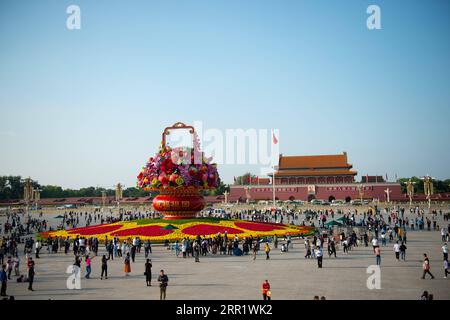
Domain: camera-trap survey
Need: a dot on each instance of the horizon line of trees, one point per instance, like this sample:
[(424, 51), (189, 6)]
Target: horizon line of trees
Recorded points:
[(439, 186), (12, 188)]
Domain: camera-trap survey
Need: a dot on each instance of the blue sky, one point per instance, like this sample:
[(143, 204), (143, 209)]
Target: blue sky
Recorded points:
[(87, 107)]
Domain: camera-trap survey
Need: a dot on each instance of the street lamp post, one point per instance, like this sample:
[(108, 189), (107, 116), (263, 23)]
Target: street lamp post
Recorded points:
[(103, 200), (247, 194), (410, 190), (361, 192), (28, 193), (388, 192), (226, 193), (36, 197), (119, 194), (428, 188)]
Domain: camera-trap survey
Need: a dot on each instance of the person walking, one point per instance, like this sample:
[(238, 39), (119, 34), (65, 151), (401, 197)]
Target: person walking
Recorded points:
[(104, 267), (445, 251), (397, 251), (255, 250), (196, 249), (374, 243), (403, 251), (127, 263), (265, 288), (146, 248), (163, 280), (426, 267), (443, 234), (30, 274), (133, 252), (119, 249), (267, 250), (3, 280), (288, 242), (88, 267), (16, 266), (37, 248), (446, 272), (319, 256), (10, 264), (331, 248), (377, 251), (148, 272)]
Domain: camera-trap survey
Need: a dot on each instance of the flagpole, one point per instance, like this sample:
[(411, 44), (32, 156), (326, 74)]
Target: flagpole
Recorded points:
[(273, 186), (275, 166), (273, 177)]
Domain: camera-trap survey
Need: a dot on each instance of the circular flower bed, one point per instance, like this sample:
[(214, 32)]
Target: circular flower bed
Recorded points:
[(162, 230)]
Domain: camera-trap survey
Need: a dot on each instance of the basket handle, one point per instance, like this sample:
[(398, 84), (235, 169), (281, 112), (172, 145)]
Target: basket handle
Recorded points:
[(178, 125)]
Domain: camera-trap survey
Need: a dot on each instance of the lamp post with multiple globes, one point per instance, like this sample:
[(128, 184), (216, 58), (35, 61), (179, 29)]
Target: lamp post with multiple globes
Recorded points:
[(428, 188)]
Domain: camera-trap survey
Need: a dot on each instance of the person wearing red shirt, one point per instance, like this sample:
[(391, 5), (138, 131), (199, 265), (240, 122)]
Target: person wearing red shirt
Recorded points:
[(266, 290)]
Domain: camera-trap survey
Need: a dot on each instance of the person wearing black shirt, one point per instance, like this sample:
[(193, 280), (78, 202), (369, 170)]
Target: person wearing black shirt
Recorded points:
[(163, 279), (30, 274), (104, 267), (148, 273)]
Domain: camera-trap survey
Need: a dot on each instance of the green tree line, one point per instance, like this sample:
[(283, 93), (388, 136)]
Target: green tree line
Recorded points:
[(439, 186)]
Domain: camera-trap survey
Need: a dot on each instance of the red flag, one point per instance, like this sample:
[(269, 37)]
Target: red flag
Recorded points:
[(234, 180), (367, 178), (274, 139)]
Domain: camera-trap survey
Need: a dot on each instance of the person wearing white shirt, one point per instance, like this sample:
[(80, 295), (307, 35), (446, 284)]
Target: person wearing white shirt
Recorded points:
[(319, 255), (445, 251), (397, 251), (37, 248), (374, 243)]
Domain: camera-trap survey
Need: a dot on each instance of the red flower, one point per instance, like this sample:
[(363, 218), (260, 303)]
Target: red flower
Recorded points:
[(252, 226), (99, 229), (149, 231), (207, 229), (168, 166)]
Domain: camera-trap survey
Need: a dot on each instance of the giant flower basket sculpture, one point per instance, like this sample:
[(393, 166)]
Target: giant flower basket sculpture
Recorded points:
[(179, 174)]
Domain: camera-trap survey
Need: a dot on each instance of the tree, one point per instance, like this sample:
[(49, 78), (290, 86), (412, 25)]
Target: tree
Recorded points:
[(220, 190), (246, 179), (135, 192)]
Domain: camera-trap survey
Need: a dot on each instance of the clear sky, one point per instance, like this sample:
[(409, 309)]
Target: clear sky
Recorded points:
[(87, 107)]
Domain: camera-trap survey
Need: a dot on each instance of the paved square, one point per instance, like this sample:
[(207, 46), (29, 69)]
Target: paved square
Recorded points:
[(229, 277)]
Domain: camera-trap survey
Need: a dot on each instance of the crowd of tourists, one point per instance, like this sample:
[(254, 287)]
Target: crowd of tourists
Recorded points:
[(376, 228)]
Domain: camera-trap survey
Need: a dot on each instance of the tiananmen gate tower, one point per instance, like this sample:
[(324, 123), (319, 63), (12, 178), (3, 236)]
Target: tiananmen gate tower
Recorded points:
[(324, 177)]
